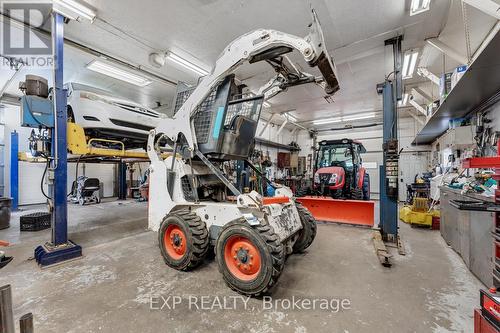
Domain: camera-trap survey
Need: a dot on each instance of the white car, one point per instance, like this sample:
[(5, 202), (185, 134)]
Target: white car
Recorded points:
[(105, 116)]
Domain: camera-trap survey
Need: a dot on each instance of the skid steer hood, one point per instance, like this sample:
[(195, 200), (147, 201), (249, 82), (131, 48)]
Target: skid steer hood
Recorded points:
[(323, 60)]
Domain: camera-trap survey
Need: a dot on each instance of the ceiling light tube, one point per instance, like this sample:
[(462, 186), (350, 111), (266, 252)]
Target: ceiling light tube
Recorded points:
[(118, 73), (409, 63), (266, 104), (419, 6), (291, 118), (73, 10), (365, 116), (343, 119), (327, 121), (186, 64)]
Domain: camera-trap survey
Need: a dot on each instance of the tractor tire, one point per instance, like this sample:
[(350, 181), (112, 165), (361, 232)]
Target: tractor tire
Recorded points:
[(366, 187), (301, 192), (357, 194), (336, 194), (183, 239), (308, 231), (250, 258)]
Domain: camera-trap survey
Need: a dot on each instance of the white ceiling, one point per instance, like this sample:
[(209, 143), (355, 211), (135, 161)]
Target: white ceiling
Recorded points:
[(199, 29)]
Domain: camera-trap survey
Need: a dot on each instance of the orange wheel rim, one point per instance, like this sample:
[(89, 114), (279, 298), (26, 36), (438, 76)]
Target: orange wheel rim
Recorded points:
[(242, 258), (174, 241)]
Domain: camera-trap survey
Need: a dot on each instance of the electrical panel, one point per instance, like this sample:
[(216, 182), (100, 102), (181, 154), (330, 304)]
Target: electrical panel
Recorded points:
[(391, 155)]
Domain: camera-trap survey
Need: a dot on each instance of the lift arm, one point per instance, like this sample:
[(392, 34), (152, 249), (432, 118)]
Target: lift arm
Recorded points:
[(255, 46)]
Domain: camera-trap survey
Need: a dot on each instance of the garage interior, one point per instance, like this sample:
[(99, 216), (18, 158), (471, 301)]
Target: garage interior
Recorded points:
[(269, 166)]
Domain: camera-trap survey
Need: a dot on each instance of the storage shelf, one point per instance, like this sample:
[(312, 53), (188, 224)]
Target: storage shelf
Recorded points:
[(479, 86)]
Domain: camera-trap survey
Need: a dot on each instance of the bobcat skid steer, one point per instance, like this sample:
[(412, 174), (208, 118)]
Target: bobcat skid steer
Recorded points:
[(192, 203)]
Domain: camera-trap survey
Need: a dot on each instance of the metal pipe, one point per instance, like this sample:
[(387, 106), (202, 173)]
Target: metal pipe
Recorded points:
[(26, 323), (6, 314)]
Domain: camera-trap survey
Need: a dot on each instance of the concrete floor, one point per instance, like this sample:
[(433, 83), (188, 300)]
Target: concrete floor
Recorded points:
[(110, 289)]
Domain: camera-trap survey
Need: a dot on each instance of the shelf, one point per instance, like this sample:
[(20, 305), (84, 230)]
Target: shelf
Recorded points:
[(272, 144), (479, 85), (481, 162)]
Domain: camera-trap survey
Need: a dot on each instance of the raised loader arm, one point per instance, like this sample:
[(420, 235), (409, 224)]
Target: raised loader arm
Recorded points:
[(255, 46)]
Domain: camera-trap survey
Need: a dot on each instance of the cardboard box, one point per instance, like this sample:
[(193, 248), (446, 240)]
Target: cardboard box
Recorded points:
[(457, 75)]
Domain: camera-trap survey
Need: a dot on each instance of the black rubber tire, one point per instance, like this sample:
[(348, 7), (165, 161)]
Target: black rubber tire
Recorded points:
[(271, 251), (336, 194), (366, 187), (197, 239), (308, 231), (301, 192), (357, 194)]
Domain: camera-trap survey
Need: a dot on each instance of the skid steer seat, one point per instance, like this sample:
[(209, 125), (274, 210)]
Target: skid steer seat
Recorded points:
[(239, 137)]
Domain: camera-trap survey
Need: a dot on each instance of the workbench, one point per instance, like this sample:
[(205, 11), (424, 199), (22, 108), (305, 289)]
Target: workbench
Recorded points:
[(469, 232)]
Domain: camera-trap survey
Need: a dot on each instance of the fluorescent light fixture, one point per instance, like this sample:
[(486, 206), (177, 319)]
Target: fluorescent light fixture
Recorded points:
[(73, 10), (118, 73), (266, 105), (404, 100), (364, 116), (291, 118), (343, 119), (409, 63), (186, 64), (419, 6), (327, 121)]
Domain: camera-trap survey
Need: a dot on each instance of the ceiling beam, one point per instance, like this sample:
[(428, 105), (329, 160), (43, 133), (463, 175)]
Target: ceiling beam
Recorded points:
[(281, 127), (416, 117), (422, 71), (434, 42), (267, 124), (419, 92), (486, 6), (418, 107)]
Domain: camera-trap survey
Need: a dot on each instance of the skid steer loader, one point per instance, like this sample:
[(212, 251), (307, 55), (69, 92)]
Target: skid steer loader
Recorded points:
[(193, 204)]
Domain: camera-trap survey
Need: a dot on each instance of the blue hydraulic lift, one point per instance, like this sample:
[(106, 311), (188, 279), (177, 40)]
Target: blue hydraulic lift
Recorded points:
[(391, 91), (59, 248), (14, 169)]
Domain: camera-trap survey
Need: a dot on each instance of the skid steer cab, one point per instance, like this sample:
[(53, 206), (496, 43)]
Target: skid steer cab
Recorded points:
[(339, 172), (193, 202)]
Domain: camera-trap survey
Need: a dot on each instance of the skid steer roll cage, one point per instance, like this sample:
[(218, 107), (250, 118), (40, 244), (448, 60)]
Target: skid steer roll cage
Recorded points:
[(259, 45)]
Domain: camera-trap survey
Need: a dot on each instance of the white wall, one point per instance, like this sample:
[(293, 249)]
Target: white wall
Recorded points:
[(30, 174)]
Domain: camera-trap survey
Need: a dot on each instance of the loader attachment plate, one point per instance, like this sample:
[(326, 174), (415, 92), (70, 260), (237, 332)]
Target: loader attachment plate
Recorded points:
[(326, 209)]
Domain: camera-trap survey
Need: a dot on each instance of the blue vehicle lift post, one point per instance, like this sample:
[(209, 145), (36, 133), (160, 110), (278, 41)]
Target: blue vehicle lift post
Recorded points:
[(14, 169), (60, 248), (391, 91)]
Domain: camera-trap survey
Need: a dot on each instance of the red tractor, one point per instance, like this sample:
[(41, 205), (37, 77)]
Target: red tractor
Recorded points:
[(338, 170)]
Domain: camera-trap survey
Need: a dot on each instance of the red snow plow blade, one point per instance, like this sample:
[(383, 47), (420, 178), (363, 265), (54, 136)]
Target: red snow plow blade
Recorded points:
[(340, 211)]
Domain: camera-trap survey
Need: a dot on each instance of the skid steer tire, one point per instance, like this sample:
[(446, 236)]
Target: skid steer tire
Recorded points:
[(308, 231), (183, 239), (250, 258)]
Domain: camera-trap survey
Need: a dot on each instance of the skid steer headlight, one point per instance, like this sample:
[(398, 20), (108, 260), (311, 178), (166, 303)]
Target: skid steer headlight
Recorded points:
[(333, 178)]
